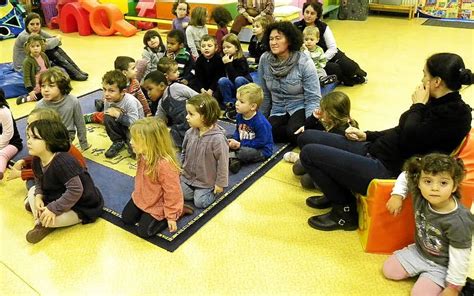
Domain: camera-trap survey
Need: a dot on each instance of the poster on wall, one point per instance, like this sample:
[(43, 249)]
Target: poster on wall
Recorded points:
[(453, 9)]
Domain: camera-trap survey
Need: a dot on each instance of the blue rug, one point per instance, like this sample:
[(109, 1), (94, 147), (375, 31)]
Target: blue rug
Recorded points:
[(116, 187)]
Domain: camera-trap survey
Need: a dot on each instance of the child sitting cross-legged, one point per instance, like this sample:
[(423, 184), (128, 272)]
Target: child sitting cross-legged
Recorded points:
[(209, 67), (252, 140), (171, 100), (121, 110)]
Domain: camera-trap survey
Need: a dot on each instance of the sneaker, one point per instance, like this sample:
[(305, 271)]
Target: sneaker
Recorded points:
[(114, 149), (360, 79), (187, 210), (39, 232), (323, 81), (88, 118), (234, 165), (99, 105), (22, 99), (291, 156)]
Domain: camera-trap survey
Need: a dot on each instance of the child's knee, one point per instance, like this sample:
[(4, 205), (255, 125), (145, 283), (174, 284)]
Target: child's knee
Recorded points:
[(204, 201), (393, 270)]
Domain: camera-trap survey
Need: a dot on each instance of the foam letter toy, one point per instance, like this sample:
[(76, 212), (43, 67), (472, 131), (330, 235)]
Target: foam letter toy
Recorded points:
[(115, 21), (146, 8), (74, 18)]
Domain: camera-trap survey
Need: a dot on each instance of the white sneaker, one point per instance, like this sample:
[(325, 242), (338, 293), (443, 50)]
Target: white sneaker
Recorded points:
[(291, 157)]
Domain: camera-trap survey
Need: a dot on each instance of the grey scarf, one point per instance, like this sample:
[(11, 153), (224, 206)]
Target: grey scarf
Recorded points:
[(282, 68)]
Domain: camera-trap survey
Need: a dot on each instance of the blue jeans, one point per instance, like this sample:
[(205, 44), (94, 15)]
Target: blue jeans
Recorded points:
[(339, 166), (228, 88), (202, 197), (249, 155)]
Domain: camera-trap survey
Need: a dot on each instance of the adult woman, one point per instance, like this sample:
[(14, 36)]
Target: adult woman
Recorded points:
[(289, 81), (248, 13), (438, 120), (346, 70), (56, 55)]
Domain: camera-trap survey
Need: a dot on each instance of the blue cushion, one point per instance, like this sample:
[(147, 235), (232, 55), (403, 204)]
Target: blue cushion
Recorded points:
[(11, 81)]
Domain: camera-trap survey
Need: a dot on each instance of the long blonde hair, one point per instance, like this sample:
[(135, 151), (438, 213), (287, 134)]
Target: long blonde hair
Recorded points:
[(154, 139)]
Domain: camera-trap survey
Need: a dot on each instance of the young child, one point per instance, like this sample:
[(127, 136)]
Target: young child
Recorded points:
[(256, 46), (153, 51), (205, 152), (252, 140), (175, 43), (443, 238), (55, 89), (10, 140), (22, 168), (181, 10), (171, 100), (222, 17), (196, 29), (169, 67), (121, 110), (157, 200), (64, 193), (209, 66), (333, 116), (34, 64), (316, 53), (237, 71)]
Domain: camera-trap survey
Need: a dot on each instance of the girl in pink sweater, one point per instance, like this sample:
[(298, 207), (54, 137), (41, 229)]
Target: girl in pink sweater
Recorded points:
[(157, 201)]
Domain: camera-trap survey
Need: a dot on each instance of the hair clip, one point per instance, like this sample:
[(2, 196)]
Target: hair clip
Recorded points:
[(201, 105)]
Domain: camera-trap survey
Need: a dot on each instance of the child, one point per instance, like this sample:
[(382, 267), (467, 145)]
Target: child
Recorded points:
[(222, 17), (256, 46), (34, 64), (175, 43), (171, 100), (443, 239), (237, 71), (10, 140), (64, 193), (169, 67), (181, 11), (332, 116), (252, 140), (196, 29), (121, 110), (205, 152), (316, 53), (55, 89), (22, 168), (209, 66), (153, 51), (157, 200)]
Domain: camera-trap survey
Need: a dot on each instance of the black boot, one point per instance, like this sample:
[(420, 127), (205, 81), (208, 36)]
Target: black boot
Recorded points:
[(70, 61), (73, 72), (58, 57), (340, 217)]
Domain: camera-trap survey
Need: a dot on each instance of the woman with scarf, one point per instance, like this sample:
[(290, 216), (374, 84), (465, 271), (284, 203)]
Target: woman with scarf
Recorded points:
[(289, 81)]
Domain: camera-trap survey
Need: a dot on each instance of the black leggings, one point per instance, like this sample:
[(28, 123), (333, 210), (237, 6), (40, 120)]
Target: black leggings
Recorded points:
[(344, 68), (284, 127), (147, 225)]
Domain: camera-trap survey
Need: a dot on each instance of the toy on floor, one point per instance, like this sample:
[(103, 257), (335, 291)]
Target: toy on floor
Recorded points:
[(11, 19)]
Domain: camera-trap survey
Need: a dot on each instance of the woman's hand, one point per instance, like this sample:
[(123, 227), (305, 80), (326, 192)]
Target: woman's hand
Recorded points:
[(421, 93), (172, 226), (218, 189), (47, 217), (227, 59), (317, 113), (299, 131), (394, 204), (355, 134)]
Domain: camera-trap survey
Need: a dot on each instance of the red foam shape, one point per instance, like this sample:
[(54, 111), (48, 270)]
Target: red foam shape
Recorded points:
[(146, 9), (74, 18)]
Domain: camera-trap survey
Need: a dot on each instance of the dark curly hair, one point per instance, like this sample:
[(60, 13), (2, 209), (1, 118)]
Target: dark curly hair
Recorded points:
[(115, 77), (56, 75), (175, 6), (221, 16), (317, 6), (291, 32)]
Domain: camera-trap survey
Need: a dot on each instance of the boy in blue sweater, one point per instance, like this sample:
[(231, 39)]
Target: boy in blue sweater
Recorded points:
[(252, 140)]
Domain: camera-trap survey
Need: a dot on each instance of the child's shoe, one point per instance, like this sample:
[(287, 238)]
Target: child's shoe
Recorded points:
[(99, 105), (323, 81), (234, 165), (291, 156), (22, 99), (88, 118), (130, 151), (114, 149), (187, 210), (39, 232)]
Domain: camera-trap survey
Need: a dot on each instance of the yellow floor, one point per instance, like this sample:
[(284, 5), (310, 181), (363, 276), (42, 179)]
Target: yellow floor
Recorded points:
[(261, 243)]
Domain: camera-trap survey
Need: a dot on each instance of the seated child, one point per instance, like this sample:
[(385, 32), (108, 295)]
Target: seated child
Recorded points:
[(222, 17), (157, 200), (64, 193), (209, 67), (196, 29), (252, 140), (153, 51), (443, 234), (177, 51), (10, 140), (256, 46), (56, 88), (22, 168), (169, 67), (205, 152), (316, 53), (121, 110), (181, 10), (171, 103), (36, 62)]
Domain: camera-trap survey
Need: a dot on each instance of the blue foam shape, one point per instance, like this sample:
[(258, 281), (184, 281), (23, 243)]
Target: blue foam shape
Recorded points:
[(11, 81)]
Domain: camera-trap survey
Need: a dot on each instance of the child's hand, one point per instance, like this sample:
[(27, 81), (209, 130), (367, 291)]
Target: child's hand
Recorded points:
[(184, 81), (233, 144), (394, 204), (299, 131), (32, 95), (251, 60), (218, 189), (421, 94), (448, 291), (14, 173), (172, 226), (114, 112), (185, 25), (355, 134), (170, 55), (47, 217), (317, 113), (227, 59)]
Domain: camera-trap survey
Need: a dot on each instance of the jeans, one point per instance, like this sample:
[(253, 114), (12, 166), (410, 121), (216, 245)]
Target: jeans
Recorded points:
[(340, 166), (116, 131), (202, 197), (228, 88), (249, 155)]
